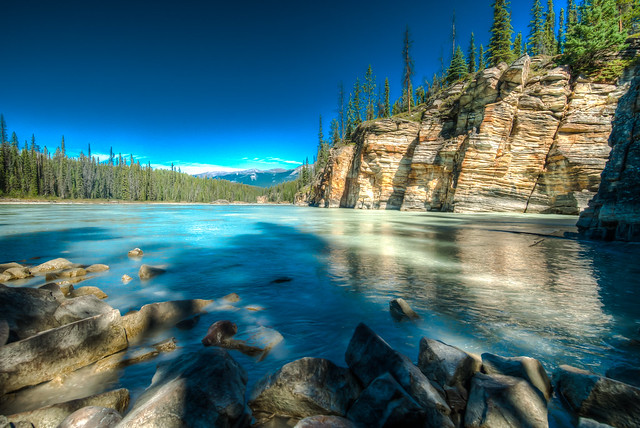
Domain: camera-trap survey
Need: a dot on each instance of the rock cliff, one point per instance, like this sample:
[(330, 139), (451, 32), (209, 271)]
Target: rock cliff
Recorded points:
[(522, 138)]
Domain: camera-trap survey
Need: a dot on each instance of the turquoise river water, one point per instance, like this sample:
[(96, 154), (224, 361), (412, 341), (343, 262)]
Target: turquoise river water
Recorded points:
[(483, 282)]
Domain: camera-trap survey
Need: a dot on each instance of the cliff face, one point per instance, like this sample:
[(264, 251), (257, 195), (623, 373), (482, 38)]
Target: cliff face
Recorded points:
[(615, 211), (519, 138)]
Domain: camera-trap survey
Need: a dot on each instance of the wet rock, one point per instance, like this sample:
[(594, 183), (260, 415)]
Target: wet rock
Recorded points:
[(4, 332), (497, 401), (401, 311), (136, 252), (590, 423), (92, 417), (161, 315), (306, 387), (54, 289), (384, 403), (147, 272), (97, 268), (51, 416), (626, 374), (4, 277), (254, 308), (166, 345), (77, 308), (126, 278), (27, 310), (127, 358), (189, 323), (281, 280), (48, 354), (51, 265), (200, 389), (446, 364), (67, 273), (369, 357), (88, 290), (18, 273), (219, 332), (231, 298), (324, 421), (525, 368), (605, 400), (5, 266)]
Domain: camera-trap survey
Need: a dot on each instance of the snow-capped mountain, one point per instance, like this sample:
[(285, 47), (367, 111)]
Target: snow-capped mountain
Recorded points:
[(255, 177)]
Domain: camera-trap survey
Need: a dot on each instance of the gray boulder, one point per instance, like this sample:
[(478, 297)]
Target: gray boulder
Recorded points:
[(384, 403), (306, 387), (605, 400), (92, 417), (55, 290), (51, 416), (590, 423), (148, 272), (4, 332), (218, 332), (202, 389), (497, 401), (161, 315), (75, 309), (446, 364), (324, 421), (369, 357), (525, 368), (51, 265), (401, 311), (27, 310)]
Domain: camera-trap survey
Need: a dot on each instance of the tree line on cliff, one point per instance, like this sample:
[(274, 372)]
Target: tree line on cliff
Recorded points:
[(27, 171), (582, 36)]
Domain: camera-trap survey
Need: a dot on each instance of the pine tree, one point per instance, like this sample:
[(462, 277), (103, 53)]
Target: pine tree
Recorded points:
[(356, 102), (561, 26), (594, 36), (341, 109), (387, 106), (572, 15), (369, 87), (629, 15), (481, 60), (500, 41), (518, 49), (535, 42), (471, 55), (458, 68), (550, 42), (335, 132), (408, 71), (3, 130)]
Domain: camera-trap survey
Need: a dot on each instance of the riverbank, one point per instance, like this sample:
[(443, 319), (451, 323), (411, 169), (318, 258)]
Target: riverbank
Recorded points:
[(36, 201)]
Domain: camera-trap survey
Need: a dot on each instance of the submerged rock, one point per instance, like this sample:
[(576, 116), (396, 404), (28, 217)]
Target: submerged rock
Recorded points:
[(400, 310), (5, 266), (199, 389), (67, 273), (51, 416), (596, 397), (497, 401), (148, 272), (189, 323), (17, 273), (525, 368), (129, 357), (306, 387), (92, 417), (626, 374), (231, 298), (51, 265), (219, 332), (88, 290), (161, 315), (126, 278), (97, 268), (136, 252)]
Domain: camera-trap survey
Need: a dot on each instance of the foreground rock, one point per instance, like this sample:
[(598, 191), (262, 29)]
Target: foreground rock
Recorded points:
[(46, 355), (323, 421), (148, 272), (162, 314), (400, 310), (92, 417), (75, 309), (27, 310), (97, 268), (51, 416), (16, 273), (306, 387), (497, 401), (596, 397), (88, 290), (51, 265), (446, 364), (129, 357), (526, 368), (4, 331), (199, 389), (369, 357)]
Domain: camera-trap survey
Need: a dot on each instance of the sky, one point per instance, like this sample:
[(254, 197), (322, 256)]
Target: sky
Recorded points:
[(207, 84)]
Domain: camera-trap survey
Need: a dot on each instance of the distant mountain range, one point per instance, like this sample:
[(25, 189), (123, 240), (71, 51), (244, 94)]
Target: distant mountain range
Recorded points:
[(255, 177)]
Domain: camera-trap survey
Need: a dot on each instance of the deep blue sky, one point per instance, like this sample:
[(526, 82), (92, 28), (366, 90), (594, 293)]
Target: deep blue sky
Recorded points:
[(211, 83)]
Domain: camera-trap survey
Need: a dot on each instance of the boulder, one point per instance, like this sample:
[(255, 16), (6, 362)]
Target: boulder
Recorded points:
[(401, 311), (189, 323), (497, 401), (67, 273), (590, 423), (129, 357), (88, 290), (626, 374), (231, 298), (147, 272), (126, 278), (4, 277), (92, 417), (51, 265), (306, 387), (136, 252), (50, 353), (5, 266), (204, 388), (384, 403), (324, 421), (161, 315), (4, 331), (97, 268), (51, 416), (602, 399), (525, 368), (18, 273), (77, 308), (55, 290), (446, 364), (27, 310), (218, 332), (369, 357)]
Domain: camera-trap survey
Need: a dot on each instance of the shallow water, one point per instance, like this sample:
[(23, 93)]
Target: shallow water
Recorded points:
[(483, 282)]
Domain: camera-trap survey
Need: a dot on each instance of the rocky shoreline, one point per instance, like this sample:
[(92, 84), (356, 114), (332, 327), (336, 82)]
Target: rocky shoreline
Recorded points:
[(61, 331)]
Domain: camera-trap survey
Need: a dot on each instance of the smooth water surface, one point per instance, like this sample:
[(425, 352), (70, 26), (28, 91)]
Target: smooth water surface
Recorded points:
[(483, 282)]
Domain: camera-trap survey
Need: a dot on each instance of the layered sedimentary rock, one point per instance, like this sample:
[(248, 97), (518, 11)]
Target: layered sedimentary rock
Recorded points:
[(522, 138)]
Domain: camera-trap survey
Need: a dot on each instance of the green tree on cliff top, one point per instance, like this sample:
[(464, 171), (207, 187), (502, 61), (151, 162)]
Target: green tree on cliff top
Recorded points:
[(458, 68), (536, 35), (471, 55), (408, 68), (501, 30)]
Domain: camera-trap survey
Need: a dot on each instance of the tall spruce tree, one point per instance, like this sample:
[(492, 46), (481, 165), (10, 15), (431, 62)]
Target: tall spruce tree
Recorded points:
[(471, 55), (572, 15), (518, 49), (357, 118), (458, 68), (482, 63), (3, 130), (408, 68), (550, 42), (561, 27), (387, 102), (535, 43), (629, 15), (341, 109), (596, 35), (501, 30), (369, 87)]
